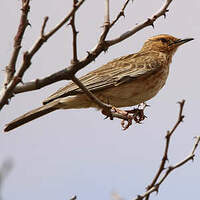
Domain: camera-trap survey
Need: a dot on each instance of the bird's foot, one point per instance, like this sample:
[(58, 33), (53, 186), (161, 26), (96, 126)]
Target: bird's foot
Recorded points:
[(136, 114), (107, 112)]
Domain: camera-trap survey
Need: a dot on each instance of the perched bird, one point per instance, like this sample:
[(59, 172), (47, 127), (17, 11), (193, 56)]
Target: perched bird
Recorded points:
[(123, 82)]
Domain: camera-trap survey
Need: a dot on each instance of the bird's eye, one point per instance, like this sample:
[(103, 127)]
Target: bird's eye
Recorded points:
[(164, 40)]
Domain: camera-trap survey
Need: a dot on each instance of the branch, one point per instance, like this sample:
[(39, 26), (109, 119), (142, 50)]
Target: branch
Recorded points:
[(168, 171), (120, 14), (90, 94), (148, 22), (69, 72), (8, 92), (92, 55), (106, 27), (10, 69), (165, 155), (72, 23), (155, 184)]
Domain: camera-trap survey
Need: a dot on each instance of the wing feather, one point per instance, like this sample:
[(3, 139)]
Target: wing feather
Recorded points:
[(109, 75)]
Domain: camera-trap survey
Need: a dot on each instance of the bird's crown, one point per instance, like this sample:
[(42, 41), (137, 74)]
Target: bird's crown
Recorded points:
[(164, 43)]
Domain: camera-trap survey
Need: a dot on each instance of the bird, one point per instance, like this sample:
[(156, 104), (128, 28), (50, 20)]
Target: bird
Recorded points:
[(123, 82)]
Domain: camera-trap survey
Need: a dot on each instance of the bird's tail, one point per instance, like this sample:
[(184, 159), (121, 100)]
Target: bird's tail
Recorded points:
[(33, 114)]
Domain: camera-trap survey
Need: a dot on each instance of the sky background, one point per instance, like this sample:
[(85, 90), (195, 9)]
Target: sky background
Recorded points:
[(77, 152)]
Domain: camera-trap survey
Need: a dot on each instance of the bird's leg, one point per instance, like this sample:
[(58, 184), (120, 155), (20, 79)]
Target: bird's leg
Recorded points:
[(119, 111), (108, 112), (136, 114)]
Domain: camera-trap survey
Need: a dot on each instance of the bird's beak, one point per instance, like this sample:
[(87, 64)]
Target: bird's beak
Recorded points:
[(182, 41)]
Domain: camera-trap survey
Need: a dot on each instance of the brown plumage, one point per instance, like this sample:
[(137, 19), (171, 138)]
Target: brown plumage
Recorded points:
[(123, 82)]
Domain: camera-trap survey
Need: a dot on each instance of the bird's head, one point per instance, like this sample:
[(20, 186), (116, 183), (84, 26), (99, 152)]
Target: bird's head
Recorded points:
[(164, 43)]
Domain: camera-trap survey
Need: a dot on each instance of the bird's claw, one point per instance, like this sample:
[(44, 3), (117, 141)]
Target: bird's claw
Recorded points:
[(136, 114)]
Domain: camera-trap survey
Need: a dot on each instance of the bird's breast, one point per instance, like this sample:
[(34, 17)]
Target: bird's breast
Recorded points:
[(136, 91)]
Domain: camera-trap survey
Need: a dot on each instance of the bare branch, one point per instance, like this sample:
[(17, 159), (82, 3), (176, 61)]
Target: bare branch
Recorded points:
[(168, 171), (148, 22), (72, 69), (74, 31), (165, 155), (66, 19), (40, 83), (10, 69), (90, 94), (120, 14), (44, 26), (181, 163), (107, 13), (7, 93), (196, 144), (106, 25), (158, 180)]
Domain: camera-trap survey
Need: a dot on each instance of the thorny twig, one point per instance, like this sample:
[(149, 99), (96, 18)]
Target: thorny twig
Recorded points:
[(148, 22), (75, 32), (72, 69), (159, 176), (69, 72), (7, 92), (120, 14), (10, 69)]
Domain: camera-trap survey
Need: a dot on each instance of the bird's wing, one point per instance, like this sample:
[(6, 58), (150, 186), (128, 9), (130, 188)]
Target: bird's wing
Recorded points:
[(116, 72)]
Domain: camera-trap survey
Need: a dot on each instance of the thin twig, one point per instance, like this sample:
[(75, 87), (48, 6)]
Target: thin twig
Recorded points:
[(148, 22), (158, 180), (168, 171), (102, 45), (107, 13), (72, 69), (65, 20), (43, 26), (90, 94), (75, 32), (7, 93), (167, 142), (10, 69), (106, 25), (120, 14), (196, 144)]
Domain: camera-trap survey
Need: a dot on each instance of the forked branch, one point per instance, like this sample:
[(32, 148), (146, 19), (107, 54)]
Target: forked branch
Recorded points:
[(163, 171), (102, 45), (11, 68), (7, 92)]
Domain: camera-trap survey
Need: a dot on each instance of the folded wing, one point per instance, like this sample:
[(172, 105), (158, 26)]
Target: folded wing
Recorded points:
[(116, 72)]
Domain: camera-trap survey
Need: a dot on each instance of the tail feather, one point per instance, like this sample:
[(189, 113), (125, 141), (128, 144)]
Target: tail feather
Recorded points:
[(31, 115)]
